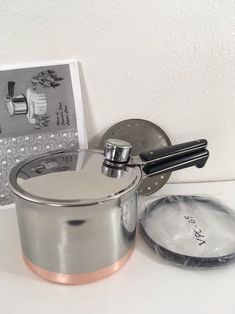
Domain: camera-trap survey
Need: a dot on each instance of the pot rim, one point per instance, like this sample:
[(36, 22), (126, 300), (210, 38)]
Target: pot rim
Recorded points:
[(18, 191)]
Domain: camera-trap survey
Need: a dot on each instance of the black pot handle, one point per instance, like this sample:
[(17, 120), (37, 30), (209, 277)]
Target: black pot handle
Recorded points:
[(197, 159), (168, 152)]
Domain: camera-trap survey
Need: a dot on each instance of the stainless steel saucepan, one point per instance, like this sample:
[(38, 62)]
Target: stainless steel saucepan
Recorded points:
[(76, 210)]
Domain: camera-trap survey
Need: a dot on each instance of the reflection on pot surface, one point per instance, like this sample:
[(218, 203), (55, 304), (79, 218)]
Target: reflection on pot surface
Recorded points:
[(73, 239), (77, 220)]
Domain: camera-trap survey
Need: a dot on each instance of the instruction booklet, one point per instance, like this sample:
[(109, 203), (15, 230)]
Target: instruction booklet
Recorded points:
[(41, 110)]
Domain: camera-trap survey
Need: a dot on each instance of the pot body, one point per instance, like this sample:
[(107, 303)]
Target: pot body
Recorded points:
[(77, 244)]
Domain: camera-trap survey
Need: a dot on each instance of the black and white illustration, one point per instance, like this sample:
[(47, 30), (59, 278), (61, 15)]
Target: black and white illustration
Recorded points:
[(41, 110), (33, 103)]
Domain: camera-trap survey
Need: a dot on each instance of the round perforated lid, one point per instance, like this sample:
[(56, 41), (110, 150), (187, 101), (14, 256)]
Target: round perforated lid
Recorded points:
[(143, 135)]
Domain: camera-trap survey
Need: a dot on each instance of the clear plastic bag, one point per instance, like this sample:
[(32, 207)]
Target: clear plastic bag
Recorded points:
[(192, 230)]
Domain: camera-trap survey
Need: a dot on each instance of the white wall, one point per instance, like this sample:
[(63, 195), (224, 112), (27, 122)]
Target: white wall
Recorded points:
[(171, 61)]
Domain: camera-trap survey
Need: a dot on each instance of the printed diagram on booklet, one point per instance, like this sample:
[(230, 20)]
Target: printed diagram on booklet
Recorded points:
[(33, 103)]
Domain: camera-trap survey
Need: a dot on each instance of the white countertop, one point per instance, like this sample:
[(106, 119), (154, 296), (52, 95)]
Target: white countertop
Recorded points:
[(146, 284)]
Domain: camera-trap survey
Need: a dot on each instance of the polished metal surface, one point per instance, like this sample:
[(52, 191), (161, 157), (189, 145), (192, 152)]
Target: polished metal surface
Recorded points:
[(117, 151), (142, 135), (76, 218), (76, 240), (72, 218), (113, 172), (71, 178)]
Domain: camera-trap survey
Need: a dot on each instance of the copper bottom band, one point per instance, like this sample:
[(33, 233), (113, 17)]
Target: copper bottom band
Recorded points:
[(73, 279)]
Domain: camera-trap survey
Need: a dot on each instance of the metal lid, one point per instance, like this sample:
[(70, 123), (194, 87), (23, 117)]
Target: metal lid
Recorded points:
[(71, 178), (142, 135)]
